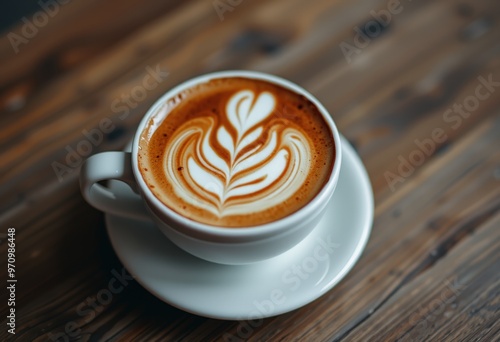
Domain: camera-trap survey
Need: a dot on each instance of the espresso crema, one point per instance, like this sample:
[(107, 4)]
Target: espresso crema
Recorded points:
[(236, 152)]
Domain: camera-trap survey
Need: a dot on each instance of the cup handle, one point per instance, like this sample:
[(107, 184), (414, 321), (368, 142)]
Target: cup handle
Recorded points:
[(111, 165)]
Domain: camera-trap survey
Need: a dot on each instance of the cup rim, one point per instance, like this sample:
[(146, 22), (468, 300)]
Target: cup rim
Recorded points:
[(270, 228)]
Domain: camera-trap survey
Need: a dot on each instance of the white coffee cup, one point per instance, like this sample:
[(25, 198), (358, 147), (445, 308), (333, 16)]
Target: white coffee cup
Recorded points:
[(217, 244)]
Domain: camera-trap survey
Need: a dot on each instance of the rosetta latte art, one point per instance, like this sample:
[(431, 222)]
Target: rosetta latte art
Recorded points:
[(267, 161)]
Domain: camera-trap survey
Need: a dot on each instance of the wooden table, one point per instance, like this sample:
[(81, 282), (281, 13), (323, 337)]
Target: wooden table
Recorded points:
[(413, 85)]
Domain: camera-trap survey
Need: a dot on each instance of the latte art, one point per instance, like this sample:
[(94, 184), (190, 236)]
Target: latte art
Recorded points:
[(236, 152), (265, 164)]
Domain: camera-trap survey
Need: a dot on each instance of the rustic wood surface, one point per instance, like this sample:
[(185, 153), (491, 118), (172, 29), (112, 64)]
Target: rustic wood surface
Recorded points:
[(431, 269)]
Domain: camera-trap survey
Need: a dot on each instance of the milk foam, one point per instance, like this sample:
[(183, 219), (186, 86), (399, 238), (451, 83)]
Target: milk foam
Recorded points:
[(261, 169)]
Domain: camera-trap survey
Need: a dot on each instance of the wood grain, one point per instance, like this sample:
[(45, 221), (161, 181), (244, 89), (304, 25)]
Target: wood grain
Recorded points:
[(430, 269)]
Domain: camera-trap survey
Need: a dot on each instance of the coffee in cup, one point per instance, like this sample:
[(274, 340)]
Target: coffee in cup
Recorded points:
[(236, 152)]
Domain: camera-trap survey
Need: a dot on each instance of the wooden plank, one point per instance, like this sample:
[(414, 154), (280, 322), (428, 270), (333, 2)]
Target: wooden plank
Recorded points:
[(456, 300), (68, 39)]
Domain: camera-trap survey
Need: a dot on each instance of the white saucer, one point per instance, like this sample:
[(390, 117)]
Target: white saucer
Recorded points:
[(259, 290)]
